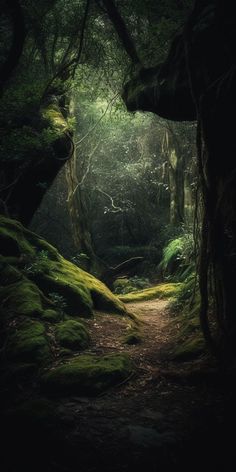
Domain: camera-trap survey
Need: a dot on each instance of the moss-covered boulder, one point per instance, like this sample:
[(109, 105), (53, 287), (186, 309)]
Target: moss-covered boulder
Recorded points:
[(27, 342), (22, 298), (72, 334), (87, 375), (40, 271)]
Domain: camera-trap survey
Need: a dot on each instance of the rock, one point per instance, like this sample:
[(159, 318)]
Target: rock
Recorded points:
[(72, 334), (87, 374)]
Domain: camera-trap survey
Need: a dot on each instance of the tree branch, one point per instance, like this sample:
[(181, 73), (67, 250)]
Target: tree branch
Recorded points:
[(121, 30)]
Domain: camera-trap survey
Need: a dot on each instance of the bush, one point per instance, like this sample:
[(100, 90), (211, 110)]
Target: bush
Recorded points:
[(124, 285), (178, 258)]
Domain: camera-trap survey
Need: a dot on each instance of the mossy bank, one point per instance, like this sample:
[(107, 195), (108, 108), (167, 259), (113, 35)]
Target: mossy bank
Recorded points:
[(44, 301)]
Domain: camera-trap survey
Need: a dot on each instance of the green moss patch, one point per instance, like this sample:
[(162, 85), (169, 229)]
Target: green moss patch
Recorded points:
[(27, 342), (132, 338), (72, 334), (161, 291), (189, 340), (87, 375), (22, 298), (51, 316), (190, 348)]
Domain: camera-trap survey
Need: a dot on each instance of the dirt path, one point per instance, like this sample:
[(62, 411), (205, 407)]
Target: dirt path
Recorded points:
[(148, 422), (108, 331)]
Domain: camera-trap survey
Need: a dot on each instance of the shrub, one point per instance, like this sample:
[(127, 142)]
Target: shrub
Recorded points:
[(178, 258)]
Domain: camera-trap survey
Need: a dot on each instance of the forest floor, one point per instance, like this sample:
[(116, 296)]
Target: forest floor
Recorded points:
[(168, 414)]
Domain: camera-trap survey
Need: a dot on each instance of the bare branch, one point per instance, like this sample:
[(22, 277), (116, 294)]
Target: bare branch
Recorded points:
[(115, 209)]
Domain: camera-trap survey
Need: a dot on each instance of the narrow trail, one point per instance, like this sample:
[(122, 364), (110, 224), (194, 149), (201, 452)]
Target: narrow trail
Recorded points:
[(150, 421)]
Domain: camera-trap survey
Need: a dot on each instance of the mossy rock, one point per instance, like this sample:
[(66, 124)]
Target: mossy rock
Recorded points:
[(51, 316), (12, 238), (49, 272), (160, 291), (87, 375), (133, 337), (22, 298), (72, 334), (28, 342)]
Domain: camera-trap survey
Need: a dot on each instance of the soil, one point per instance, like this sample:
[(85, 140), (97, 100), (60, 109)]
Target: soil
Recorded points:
[(166, 415)]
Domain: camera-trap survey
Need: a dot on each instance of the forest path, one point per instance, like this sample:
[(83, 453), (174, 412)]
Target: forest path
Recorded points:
[(108, 332), (150, 420)]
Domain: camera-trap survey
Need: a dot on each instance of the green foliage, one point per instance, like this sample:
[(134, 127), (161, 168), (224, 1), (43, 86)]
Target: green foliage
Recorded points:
[(178, 258), (38, 265), (189, 341), (59, 302), (125, 285), (80, 259)]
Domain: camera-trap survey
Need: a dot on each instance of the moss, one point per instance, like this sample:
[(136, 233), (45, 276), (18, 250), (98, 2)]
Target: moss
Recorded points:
[(65, 352), (190, 348), (12, 238), (159, 291), (69, 284), (189, 339), (22, 298), (54, 116), (132, 337), (87, 374), (28, 343), (9, 274), (52, 316), (120, 282), (72, 334)]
